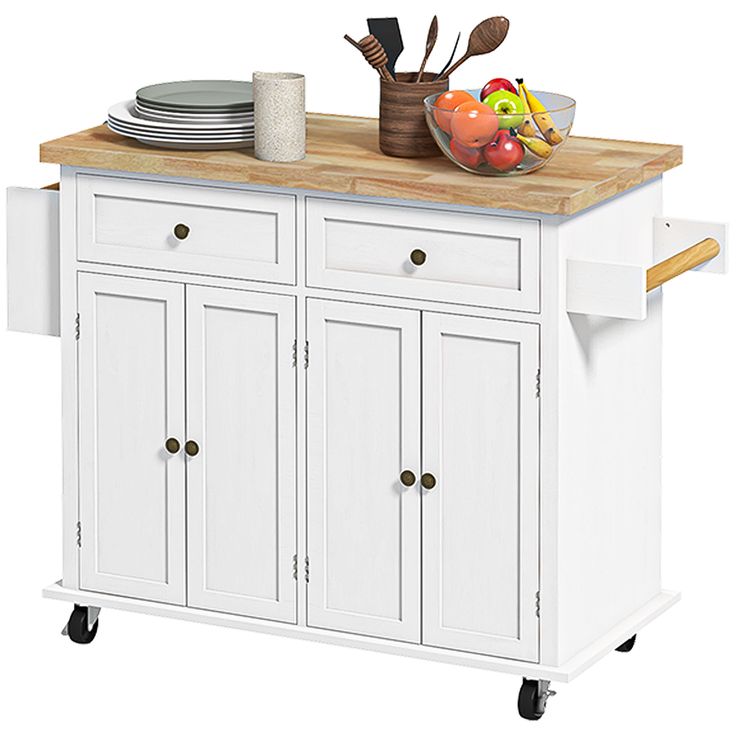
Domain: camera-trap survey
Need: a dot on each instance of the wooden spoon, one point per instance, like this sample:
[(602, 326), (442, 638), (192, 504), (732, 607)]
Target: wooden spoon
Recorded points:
[(487, 36), (431, 40)]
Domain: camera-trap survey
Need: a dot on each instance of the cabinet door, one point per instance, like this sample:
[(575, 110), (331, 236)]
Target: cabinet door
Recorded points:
[(363, 393), (131, 399), (480, 521), (241, 410)]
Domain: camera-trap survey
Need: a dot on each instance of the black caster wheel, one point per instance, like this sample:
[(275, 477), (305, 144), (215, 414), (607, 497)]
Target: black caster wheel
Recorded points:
[(78, 628), (533, 698), (628, 645)]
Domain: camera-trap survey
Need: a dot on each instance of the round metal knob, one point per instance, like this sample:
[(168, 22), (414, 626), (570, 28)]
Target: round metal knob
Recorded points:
[(418, 257), (407, 478), (181, 231), (172, 445), (428, 481), (191, 448)]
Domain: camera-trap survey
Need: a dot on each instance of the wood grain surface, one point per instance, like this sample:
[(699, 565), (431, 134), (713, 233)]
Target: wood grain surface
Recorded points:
[(343, 157), (682, 262)]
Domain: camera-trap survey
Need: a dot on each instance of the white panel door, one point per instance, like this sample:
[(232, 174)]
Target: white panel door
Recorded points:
[(363, 394), (131, 399), (480, 521), (241, 411)]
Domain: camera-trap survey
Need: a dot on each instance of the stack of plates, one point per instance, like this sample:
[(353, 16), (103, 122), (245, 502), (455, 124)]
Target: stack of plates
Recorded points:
[(196, 115)]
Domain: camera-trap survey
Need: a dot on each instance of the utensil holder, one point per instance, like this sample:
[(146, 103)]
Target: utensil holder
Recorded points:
[(403, 131), (279, 116)]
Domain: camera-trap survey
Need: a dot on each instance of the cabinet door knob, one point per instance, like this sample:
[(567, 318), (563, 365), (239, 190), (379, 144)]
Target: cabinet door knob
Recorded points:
[(428, 481), (418, 257), (181, 231), (407, 478), (172, 445), (191, 448)]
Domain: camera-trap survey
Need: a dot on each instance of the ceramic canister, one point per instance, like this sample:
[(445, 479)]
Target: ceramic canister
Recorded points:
[(280, 117)]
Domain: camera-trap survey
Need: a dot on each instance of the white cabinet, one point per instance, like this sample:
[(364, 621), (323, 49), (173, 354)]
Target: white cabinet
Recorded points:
[(363, 399), (131, 399)]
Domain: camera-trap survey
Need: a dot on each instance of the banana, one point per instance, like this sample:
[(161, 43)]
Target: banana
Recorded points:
[(536, 145), (541, 117), (527, 127)]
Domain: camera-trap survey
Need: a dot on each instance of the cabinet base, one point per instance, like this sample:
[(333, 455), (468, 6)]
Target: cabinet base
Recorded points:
[(564, 673)]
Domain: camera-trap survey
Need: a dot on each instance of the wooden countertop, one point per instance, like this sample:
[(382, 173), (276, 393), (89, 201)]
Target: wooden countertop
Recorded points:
[(343, 156)]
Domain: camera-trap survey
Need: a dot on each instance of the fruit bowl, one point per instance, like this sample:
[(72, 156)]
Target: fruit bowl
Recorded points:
[(486, 139)]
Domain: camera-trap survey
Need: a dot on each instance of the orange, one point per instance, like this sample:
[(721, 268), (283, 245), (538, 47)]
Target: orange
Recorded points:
[(473, 124), (449, 101)]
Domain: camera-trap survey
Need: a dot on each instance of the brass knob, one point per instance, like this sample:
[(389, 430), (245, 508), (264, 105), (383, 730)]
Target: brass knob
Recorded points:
[(191, 448), (181, 231), (172, 445), (418, 257), (407, 478), (428, 481)]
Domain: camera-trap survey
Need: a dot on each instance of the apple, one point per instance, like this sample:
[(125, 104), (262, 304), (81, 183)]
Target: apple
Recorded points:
[(496, 84), (470, 157), (504, 152), (508, 106)]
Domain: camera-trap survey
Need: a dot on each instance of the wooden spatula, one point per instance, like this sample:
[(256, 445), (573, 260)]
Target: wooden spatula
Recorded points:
[(487, 36), (387, 31), (431, 40)]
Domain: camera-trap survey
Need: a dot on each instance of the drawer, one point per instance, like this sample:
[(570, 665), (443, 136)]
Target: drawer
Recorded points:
[(468, 258), (226, 232), (33, 260)]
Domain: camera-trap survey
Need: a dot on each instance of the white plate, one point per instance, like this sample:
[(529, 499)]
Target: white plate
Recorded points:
[(179, 137), (186, 145), (185, 131), (124, 112), (193, 119)]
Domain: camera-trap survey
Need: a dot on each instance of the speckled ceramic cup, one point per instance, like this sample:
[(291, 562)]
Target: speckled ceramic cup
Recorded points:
[(280, 118)]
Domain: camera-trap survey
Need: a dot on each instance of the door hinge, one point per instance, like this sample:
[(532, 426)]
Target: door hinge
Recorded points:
[(539, 382), (306, 569), (295, 567), (306, 354), (76, 327), (293, 354), (537, 604), (79, 534)]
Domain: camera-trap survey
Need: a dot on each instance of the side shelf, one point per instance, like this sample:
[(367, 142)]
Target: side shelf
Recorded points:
[(33, 260)]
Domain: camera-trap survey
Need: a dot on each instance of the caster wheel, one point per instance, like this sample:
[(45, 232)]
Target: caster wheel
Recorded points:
[(533, 698), (628, 645), (78, 628)]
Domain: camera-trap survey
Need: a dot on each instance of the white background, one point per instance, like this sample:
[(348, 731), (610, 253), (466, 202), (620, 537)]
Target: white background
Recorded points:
[(641, 71)]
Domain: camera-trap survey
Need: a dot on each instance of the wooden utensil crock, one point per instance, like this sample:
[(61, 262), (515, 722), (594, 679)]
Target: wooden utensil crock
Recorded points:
[(403, 132)]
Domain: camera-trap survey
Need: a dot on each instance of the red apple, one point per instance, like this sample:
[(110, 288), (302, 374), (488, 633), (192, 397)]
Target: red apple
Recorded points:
[(470, 157), (504, 152), (495, 84)]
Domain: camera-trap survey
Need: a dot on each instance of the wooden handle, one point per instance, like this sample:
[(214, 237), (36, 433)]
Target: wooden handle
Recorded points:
[(454, 67), (681, 262)]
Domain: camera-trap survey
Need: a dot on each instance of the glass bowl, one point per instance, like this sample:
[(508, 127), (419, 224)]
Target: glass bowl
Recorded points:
[(494, 144)]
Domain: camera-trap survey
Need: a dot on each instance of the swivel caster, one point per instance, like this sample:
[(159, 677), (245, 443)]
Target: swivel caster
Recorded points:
[(82, 625), (533, 698), (628, 645)]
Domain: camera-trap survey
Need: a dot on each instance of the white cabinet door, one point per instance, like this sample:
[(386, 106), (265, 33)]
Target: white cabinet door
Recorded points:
[(480, 523), (131, 399), (241, 410), (363, 394)]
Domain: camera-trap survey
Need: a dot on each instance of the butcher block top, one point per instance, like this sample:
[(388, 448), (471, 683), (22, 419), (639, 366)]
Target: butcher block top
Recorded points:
[(343, 157)]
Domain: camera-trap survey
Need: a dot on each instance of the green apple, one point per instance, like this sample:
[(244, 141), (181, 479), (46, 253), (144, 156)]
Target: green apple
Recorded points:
[(508, 107)]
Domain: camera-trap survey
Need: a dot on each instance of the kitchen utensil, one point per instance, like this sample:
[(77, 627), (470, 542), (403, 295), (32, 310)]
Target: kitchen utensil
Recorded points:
[(280, 116), (401, 128), (445, 125), (198, 94), (388, 34), (431, 40), (487, 36), (374, 54), (452, 56)]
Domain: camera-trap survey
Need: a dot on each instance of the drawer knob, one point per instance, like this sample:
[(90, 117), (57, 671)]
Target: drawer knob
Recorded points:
[(172, 445), (428, 481), (191, 448), (181, 231), (418, 257), (407, 478)]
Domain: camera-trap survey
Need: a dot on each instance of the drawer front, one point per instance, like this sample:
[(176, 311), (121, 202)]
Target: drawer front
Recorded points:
[(227, 232), (468, 259)]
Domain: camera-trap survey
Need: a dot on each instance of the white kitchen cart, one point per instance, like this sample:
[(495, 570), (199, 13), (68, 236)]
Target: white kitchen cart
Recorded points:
[(371, 402)]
